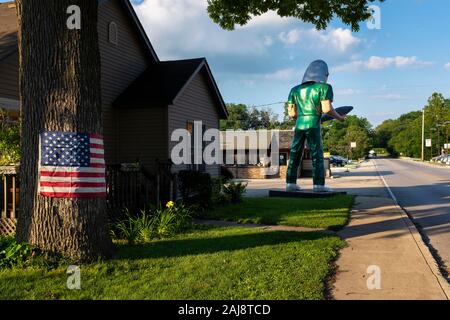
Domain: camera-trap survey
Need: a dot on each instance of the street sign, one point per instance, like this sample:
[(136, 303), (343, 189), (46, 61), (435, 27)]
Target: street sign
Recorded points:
[(447, 146), (353, 145), (428, 143)]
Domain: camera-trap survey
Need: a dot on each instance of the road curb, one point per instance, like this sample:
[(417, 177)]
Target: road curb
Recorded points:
[(418, 238)]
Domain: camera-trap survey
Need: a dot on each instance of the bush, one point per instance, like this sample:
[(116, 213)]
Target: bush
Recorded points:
[(9, 140), (218, 196), (153, 224), (195, 187), (14, 254), (235, 191)]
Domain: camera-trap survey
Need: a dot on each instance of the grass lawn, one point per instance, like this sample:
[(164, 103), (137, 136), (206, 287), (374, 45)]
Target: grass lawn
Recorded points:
[(329, 213), (206, 263)]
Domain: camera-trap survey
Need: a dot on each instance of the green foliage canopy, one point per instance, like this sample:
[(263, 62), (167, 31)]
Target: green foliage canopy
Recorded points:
[(229, 13), (241, 117), (9, 140), (403, 136), (338, 136)]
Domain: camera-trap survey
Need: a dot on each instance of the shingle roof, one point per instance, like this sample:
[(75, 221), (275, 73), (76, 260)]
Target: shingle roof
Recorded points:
[(161, 84), (8, 29)]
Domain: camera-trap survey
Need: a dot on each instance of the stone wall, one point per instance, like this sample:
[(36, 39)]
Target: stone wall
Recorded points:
[(254, 172)]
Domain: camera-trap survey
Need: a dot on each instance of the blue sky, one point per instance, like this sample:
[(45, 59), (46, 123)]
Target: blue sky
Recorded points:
[(383, 73)]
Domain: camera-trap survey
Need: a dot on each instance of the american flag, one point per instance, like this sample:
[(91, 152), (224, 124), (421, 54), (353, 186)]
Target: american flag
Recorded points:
[(72, 165)]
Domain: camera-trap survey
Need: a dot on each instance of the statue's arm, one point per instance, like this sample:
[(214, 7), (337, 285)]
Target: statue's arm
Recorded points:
[(327, 107)]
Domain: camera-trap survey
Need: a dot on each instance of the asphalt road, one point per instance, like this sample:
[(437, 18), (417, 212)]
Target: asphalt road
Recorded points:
[(424, 191)]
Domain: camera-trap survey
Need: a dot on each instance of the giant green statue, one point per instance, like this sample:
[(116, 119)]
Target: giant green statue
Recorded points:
[(306, 103)]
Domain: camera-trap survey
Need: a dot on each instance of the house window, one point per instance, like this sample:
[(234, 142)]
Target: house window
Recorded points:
[(113, 33)]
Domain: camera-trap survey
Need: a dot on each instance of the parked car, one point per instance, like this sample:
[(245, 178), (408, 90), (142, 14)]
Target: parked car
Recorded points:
[(337, 161), (446, 160)]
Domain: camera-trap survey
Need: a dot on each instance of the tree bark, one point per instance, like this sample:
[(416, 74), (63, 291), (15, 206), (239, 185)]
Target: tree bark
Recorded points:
[(60, 91)]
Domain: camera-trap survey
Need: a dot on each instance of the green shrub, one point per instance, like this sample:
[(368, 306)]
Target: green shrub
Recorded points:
[(153, 224), (195, 187), (14, 254), (235, 191), (217, 196), (9, 140)]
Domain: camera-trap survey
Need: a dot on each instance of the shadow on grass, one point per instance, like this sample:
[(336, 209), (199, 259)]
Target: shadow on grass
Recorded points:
[(331, 213), (211, 245)]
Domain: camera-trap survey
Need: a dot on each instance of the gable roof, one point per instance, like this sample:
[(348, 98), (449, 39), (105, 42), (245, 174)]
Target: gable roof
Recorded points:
[(9, 28), (162, 84)]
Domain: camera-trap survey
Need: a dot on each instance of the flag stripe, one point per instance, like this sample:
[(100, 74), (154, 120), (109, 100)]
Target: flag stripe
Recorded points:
[(73, 184), (72, 179), (73, 195), (96, 146), (97, 151), (73, 190), (97, 156), (97, 165), (96, 136), (98, 160), (72, 174)]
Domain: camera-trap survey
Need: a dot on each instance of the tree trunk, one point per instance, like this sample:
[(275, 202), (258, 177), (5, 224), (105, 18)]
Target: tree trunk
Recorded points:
[(60, 91)]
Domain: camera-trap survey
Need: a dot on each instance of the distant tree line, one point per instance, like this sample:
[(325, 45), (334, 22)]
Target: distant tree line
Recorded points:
[(337, 136), (403, 136), (400, 137)]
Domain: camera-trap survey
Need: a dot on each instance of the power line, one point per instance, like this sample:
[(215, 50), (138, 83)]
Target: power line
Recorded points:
[(268, 105)]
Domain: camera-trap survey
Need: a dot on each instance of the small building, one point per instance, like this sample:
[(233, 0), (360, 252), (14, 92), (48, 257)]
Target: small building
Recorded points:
[(244, 167)]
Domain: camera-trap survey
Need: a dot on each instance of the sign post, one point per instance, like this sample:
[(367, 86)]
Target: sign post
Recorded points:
[(429, 144)]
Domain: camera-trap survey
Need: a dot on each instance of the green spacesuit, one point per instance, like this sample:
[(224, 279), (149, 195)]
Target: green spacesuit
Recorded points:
[(307, 98)]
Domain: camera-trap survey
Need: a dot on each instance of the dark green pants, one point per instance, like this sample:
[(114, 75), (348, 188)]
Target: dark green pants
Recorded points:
[(314, 138)]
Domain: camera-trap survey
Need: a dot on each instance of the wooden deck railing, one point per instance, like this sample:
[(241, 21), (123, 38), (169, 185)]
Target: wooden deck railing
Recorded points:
[(129, 187), (134, 187), (9, 199)]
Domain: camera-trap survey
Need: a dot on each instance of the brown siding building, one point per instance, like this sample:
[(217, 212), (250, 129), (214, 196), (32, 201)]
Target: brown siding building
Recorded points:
[(143, 99)]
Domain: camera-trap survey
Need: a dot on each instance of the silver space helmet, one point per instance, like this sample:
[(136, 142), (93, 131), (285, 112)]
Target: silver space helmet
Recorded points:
[(316, 72)]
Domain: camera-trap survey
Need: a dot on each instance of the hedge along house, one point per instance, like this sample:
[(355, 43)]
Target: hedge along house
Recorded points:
[(143, 99)]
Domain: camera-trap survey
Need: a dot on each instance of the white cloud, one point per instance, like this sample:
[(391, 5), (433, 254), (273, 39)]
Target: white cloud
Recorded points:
[(179, 28), (291, 37), (268, 41), (284, 75), (447, 66), (338, 39), (341, 39), (269, 19), (347, 92), (390, 97), (379, 63)]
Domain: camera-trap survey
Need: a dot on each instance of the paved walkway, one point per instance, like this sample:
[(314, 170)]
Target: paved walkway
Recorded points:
[(263, 226), (380, 238)]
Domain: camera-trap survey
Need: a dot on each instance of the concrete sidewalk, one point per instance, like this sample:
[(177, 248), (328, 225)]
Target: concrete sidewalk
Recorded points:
[(380, 238)]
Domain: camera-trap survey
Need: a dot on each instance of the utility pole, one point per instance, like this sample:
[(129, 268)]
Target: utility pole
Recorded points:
[(439, 141), (423, 134)]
